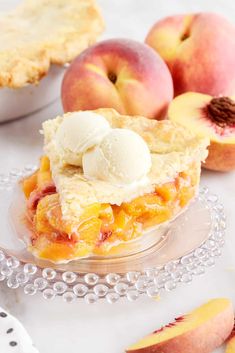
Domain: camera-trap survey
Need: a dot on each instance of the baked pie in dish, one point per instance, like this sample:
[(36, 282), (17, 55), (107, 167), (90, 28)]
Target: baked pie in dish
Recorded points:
[(37, 34), (107, 179)]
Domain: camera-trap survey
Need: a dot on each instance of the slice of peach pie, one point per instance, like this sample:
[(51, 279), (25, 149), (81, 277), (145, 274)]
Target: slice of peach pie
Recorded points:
[(107, 179)]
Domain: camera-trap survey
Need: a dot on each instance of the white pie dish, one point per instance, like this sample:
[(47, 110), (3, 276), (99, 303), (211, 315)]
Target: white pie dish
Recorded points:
[(16, 103)]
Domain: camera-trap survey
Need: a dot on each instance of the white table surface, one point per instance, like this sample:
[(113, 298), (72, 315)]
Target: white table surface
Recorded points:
[(57, 327)]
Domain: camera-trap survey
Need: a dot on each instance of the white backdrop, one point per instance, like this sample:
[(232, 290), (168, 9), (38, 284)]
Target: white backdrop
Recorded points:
[(59, 328)]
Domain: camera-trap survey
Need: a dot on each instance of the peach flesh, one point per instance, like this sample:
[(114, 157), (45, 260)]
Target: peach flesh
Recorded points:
[(121, 74), (203, 330), (209, 117)]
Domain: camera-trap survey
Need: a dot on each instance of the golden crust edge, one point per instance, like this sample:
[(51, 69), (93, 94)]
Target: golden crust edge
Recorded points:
[(37, 69)]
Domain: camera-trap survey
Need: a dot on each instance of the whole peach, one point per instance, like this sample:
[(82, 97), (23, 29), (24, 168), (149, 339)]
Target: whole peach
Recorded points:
[(199, 51), (122, 74)]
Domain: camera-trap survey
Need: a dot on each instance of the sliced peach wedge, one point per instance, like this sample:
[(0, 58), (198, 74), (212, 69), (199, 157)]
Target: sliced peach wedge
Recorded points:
[(203, 330), (212, 117)]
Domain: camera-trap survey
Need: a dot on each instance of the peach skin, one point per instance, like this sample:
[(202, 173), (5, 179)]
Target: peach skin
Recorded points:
[(203, 330), (209, 117), (121, 74), (230, 344), (199, 50)]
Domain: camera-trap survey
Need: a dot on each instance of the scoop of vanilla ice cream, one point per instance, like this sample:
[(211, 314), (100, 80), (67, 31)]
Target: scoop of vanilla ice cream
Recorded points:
[(122, 157), (79, 132)]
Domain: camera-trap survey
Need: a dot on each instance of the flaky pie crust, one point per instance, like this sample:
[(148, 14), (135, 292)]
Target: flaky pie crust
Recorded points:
[(39, 33)]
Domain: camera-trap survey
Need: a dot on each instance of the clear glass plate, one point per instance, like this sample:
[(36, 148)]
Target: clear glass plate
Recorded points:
[(160, 260)]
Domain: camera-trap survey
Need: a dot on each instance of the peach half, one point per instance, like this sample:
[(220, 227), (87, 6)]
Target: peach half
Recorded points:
[(209, 117), (203, 330), (118, 73)]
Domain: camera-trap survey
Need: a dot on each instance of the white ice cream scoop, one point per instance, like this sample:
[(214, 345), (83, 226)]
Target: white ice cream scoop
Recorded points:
[(79, 132), (122, 157)]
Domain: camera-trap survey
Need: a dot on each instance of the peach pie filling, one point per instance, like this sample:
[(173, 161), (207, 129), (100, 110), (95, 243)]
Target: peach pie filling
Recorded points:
[(101, 226)]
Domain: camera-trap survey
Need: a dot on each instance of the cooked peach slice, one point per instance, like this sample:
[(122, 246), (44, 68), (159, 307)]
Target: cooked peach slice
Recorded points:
[(123, 226), (38, 194), (41, 220), (89, 231), (149, 203), (167, 191), (209, 117), (53, 213), (106, 213), (91, 211), (43, 178), (44, 173), (29, 184), (44, 164), (58, 250), (203, 330), (38, 180)]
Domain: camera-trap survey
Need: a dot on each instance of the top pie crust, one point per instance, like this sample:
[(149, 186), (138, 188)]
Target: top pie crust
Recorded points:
[(173, 149), (39, 33)]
